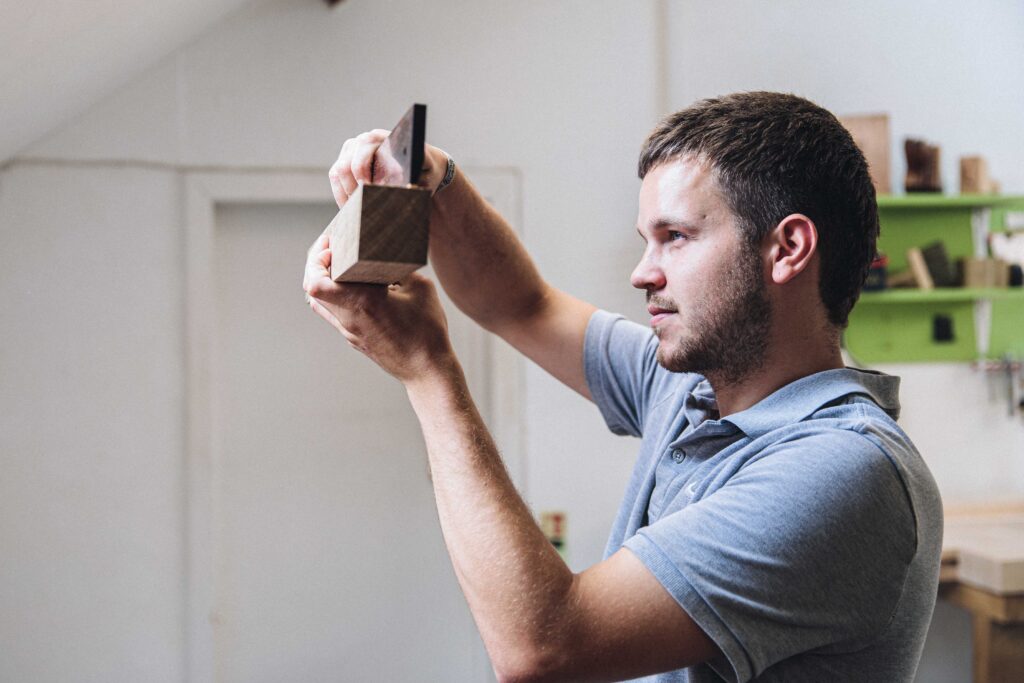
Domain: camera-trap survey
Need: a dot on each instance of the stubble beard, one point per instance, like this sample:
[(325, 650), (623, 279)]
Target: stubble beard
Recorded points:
[(726, 335)]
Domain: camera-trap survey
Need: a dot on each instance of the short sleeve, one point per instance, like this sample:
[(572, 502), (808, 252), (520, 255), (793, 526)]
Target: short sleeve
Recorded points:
[(807, 547), (620, 364)]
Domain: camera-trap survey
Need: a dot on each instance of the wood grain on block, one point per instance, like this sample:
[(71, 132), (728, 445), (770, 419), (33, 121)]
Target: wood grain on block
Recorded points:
[(380, 235), (871, 133)]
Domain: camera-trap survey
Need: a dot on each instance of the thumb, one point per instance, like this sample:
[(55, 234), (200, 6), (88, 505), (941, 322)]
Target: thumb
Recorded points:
[(415, 284)]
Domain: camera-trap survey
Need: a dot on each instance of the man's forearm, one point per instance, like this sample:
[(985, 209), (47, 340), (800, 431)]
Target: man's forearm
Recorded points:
[(479, 260), (514, 580)]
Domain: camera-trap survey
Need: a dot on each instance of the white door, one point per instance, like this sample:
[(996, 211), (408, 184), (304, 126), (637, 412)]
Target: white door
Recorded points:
[(328, 559)]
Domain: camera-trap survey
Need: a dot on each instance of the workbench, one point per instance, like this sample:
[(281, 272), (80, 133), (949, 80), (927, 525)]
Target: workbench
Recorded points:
[(983, 573)]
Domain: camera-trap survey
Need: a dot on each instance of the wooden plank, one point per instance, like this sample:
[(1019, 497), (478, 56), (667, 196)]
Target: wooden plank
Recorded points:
[(922, 278), (989, 549), (380, 235), (871, 133)]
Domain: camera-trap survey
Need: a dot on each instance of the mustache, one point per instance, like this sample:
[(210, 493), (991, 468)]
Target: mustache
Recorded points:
[(661, 302)]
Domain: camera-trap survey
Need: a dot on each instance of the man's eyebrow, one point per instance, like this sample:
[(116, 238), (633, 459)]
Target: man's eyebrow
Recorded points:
[(669, 223), (672, 222)]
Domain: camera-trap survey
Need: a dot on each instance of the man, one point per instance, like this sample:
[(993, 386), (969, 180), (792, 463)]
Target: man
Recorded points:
[(778, 524)]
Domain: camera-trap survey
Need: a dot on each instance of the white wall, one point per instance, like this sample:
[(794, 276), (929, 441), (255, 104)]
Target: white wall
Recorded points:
[(563, 91), (91, 425), (946, 71), (281, 84)]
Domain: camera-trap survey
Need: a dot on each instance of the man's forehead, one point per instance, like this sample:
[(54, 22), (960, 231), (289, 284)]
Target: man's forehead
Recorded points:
[(680, 190)]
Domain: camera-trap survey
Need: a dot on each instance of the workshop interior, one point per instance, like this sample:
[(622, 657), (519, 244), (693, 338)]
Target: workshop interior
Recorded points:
[(199, 481)]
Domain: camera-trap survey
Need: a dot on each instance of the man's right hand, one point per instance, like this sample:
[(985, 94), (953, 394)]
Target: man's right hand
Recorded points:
[(358, 162), (480, 261)]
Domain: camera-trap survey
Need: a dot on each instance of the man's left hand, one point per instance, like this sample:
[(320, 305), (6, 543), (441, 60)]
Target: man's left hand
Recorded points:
[(400, 327)]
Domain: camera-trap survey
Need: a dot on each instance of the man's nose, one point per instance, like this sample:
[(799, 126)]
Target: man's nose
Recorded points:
[(647, 274)]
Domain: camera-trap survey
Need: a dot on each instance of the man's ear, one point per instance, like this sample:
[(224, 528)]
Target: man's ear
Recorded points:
[(791, 245)]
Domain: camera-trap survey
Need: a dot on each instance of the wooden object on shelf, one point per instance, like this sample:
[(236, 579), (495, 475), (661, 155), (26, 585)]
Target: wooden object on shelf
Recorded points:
[(918, 267), (380, 235), (897, 325), (974, 177), (904, 278), (922, 167), (871, 133), (986, 272), (942, 271)]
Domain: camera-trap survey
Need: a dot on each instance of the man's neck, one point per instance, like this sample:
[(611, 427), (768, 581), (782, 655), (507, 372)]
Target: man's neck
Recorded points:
[(782, 365)]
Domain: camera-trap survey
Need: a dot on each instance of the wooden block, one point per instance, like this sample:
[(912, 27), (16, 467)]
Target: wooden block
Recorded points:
[(974, 176), (915, 259), (986, 272), (871, 133), (380, 235), (935, 258), (923, 162), (904, 278), (977, 273), (1002, 274)]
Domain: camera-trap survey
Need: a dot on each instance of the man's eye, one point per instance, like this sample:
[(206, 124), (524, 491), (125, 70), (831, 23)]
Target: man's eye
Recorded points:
[(674, 235)]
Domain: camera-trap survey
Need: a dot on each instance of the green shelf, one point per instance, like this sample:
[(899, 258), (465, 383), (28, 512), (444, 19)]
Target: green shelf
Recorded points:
[(942, 201), (939, 295), (897, 325)]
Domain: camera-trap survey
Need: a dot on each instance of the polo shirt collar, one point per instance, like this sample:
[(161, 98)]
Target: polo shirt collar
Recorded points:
[(795, 401)]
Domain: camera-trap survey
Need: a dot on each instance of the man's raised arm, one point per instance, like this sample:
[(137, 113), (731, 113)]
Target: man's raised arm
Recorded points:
[(483, 266)]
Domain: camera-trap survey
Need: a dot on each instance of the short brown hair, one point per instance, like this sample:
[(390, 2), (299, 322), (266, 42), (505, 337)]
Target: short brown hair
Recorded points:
[(775, 154)]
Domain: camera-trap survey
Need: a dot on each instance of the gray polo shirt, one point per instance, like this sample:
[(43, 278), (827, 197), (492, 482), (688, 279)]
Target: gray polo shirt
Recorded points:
[(803, 534)]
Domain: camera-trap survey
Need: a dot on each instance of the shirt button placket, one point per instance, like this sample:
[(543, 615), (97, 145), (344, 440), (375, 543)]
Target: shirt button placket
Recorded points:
[(678, 455)]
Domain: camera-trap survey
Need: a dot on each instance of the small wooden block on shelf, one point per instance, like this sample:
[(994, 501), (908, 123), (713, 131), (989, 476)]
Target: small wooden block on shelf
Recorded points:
[(923, 163), (380, 234), (871, 133), (919, 269), (974, 177)]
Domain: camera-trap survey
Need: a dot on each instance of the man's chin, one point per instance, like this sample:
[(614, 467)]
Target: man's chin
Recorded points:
[(671, 359)]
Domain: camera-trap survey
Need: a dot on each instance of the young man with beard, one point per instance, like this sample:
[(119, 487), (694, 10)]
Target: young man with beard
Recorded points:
[(778, 524)]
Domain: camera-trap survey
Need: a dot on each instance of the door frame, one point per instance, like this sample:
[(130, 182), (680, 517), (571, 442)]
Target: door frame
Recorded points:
[(501, 368)]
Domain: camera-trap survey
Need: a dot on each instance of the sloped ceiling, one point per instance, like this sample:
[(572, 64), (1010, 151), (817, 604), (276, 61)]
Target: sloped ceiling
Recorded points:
[(60, 57)]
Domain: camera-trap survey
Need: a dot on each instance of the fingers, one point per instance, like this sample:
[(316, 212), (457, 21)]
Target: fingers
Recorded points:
[(318, 263), (318, 284), (339, 174), (349, 303), (354, 164), (362, 157)]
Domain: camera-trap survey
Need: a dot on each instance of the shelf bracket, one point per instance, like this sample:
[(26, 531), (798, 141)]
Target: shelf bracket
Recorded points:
[(981, 218), (982, 327)]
